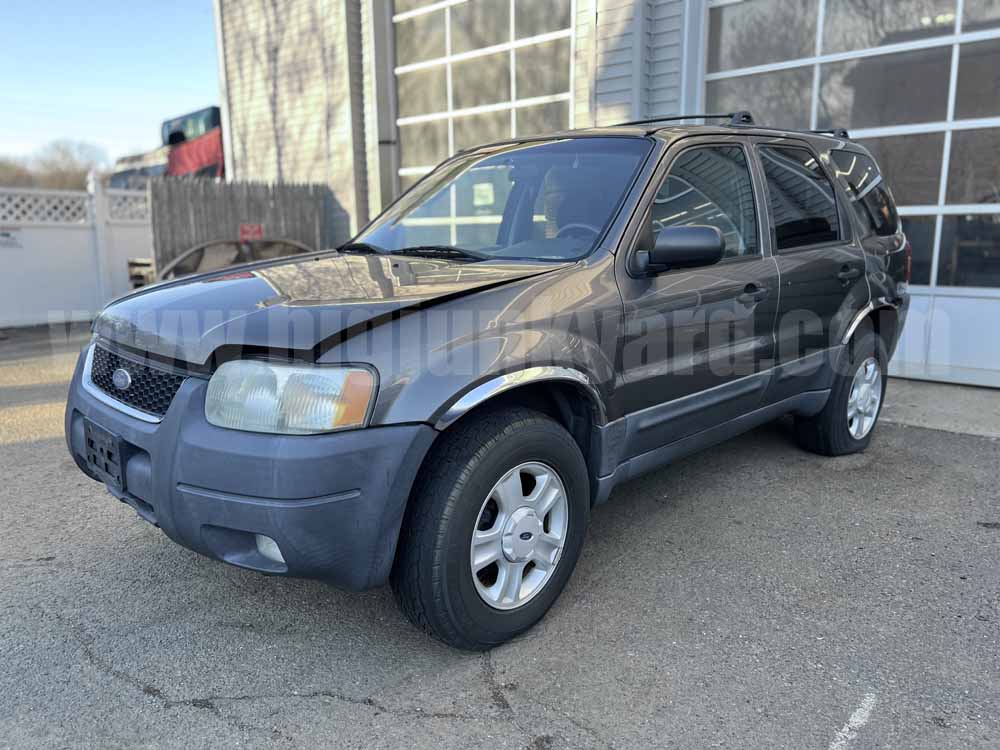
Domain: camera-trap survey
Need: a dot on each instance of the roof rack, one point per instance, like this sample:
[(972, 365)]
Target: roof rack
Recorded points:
[(735, 118), (835, 132)]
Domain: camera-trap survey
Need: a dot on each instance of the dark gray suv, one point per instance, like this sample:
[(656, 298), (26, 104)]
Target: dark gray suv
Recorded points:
[(440, 403)]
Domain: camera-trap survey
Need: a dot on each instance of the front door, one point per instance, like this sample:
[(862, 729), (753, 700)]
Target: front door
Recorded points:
[(697, 340)]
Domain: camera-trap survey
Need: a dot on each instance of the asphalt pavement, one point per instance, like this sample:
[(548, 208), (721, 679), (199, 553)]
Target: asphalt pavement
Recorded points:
[(753, 596)]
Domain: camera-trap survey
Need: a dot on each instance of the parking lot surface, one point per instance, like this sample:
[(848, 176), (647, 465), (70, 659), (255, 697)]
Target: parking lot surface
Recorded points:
[(751, 596)]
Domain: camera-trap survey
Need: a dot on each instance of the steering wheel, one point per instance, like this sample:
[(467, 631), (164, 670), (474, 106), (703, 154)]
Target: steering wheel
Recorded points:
[(570, 227)]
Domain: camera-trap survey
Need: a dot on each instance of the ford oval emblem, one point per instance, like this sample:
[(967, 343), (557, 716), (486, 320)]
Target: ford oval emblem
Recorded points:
[(121, 379)]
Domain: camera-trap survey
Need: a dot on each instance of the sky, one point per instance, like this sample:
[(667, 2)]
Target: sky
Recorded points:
[(103, 72)]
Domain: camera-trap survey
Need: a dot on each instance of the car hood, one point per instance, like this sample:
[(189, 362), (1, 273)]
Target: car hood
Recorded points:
[(291, 305)]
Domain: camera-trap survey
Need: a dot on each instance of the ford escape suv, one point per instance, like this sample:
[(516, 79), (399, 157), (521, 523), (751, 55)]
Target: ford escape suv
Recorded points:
[(439, 403)]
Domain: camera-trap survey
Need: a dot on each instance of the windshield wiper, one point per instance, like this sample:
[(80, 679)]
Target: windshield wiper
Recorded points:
[(360, 248), (426, 251), (441, 251)]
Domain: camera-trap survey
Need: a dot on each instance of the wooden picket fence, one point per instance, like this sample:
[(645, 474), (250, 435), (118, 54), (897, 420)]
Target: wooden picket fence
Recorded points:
[(188, 212)]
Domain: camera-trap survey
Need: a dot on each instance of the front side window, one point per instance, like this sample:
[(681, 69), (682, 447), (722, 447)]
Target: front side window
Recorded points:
[(710, 186), (802, 201), (550, 200), (869, 196)]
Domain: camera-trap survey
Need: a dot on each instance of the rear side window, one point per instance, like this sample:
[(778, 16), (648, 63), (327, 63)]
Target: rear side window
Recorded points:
[(870, 198), (710, 185), (803, 205)]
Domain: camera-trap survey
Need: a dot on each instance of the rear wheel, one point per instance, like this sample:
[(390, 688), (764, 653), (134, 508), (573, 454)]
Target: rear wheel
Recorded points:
[(494, 528), (846, 423)]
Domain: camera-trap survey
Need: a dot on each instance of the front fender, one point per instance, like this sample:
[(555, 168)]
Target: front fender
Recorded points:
[(436, 364), (441, 383), (498, 384)]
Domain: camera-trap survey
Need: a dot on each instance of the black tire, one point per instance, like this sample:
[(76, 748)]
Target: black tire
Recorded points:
[(827, 433), (431, 576)]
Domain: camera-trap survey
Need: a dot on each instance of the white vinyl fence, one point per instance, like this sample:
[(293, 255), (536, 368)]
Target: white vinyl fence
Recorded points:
[(65, 253)]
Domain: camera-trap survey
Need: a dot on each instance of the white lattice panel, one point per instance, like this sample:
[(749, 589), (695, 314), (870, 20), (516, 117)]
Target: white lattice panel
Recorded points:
[(40, 207), (127, 205)]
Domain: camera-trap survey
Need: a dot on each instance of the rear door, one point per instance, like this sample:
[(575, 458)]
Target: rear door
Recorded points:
[(698, 341), (876, 221), (820, 265)]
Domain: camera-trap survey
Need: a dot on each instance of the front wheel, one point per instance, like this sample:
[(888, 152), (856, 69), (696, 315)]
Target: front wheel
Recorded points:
[(846, 423), (494, 528)]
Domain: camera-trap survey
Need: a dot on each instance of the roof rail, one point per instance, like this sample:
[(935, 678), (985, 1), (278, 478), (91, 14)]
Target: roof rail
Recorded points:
[(735, 118), (835, 132)]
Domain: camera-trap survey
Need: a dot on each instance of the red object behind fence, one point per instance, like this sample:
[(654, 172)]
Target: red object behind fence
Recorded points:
[(200, 157)]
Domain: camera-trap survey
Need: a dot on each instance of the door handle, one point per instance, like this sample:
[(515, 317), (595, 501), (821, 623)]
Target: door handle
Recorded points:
[(752, 293), (848, 274)]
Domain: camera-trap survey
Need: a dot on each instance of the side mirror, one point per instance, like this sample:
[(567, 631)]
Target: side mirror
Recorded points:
[(685, 247)]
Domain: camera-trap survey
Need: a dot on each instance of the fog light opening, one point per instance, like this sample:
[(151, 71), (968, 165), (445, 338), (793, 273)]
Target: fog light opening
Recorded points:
[(269, 548)]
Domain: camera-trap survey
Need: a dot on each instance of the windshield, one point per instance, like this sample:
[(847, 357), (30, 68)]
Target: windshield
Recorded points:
[(533, 201)]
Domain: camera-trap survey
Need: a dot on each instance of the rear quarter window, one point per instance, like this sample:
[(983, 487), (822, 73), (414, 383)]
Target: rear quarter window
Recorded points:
[(867, 192)]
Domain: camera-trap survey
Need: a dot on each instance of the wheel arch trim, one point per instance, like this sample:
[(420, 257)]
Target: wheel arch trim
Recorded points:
[(864, 312), (508, 381)]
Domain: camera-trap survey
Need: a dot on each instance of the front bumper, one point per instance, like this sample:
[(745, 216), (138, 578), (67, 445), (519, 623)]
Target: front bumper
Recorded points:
[(333, 503)]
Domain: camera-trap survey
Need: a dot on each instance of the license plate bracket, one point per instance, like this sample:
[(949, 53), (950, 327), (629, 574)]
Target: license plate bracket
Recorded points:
[(104, 455)]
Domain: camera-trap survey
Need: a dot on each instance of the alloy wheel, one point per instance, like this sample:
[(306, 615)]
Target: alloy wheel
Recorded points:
[(864, 399), (519, 535)]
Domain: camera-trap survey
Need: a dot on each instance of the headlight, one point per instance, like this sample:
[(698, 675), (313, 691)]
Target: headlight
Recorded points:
[(288, 399)]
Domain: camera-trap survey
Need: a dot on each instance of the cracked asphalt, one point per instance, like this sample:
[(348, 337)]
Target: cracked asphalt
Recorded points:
[(751, 596)]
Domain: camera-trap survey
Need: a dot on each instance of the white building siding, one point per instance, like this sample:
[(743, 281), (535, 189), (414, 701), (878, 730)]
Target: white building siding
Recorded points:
[(619, 39), (370, 102), (666, 53), (289, 100), (629, 58), (583, 63), (355, 64), (379, 94)]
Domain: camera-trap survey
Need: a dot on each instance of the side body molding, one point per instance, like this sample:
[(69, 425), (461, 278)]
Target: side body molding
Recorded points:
[(501, 383)]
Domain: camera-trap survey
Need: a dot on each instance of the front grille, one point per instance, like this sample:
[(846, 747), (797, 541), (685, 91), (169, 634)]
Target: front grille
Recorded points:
[(151, 389)]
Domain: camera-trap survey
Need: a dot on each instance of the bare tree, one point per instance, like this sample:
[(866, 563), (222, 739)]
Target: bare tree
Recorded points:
[(61, 165), (14, 173)]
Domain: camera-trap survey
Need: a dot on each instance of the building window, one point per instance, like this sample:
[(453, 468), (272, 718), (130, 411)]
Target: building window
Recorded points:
[(920, 234), (780, 96), (911, 165), (897, 89), (742, 35), (970, 251), (915, 81), (473, 71)]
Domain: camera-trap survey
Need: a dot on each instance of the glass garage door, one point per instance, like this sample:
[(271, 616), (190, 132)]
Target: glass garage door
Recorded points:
[(473, 71), (918, 83)]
